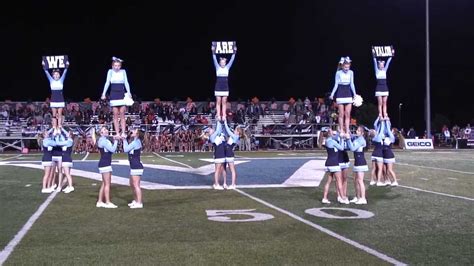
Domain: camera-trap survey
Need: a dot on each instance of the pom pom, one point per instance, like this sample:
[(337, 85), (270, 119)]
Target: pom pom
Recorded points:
[(128, 100), (358, 100)]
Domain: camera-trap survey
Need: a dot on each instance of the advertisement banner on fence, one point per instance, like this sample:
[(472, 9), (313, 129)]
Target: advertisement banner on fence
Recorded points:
[(419, 144)]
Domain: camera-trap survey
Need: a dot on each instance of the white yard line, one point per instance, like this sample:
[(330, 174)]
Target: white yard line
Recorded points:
[(180, 163), (13, 157), (437, 193), (327, 231), (85, 157), (437, 168), (5, 253)]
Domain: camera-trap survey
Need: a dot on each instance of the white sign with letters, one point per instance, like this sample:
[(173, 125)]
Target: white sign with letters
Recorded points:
[(55, 61), (419, 144)]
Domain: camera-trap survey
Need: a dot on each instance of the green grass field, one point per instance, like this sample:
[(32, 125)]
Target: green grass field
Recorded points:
[(427, 220)]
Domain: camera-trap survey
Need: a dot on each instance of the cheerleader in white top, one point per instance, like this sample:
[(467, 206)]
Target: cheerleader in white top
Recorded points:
[(106, 149), (344, 92), (134, 149), (388, 156), (360, 164), (232, 140), (381, 90), (217, 138), (119, 89), (221, 90), (47, 161), (66, 141), (56, 82)]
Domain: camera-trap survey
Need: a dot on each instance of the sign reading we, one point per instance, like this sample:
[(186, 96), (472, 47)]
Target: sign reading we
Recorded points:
[(383, 51), (226, 47), (55, 61)]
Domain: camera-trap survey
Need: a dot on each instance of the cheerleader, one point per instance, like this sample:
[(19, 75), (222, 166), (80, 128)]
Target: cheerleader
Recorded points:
[(360, 165), (344, 91), (218, 141), (57, 161), (232, 140), (221, 90), (332, 165), (344, 163), (381, 90), (56, 82), (106, 149), (47, 161), (377, 154), (66, 140), (134, 149), (387, 153), (119, 89)]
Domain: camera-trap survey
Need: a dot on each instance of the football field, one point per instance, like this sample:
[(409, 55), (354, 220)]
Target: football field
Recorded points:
[(274, 217)]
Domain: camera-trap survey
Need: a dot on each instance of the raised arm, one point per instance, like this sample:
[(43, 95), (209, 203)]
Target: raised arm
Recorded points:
[(63, 76), (330, 143), (134, 145), (107, 82), (107, 145), (388, 130), (48, 75), (125, 79), (376, 124), (358, 143), (229, 65), (214, 59), (375, 64), (230, 133), (216, 132), (335, 85), (388, 63)]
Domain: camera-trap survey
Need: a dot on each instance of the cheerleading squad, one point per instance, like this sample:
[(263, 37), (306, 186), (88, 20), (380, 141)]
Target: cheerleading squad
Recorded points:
[(339, 142), (58, 142)]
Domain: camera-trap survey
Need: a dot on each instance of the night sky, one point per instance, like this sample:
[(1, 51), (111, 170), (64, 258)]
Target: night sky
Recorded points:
[(284, 50)]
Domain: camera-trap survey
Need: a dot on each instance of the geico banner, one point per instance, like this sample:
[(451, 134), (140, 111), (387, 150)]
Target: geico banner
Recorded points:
[(419, 144)]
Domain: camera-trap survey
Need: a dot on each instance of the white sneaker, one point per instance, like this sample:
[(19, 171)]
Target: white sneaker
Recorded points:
[(100, 204), (354, 200), (110, 205), (232, 187), (53, 187), (339, 199), (326, 201), (131, 203), (372, 183), (225, 186), (46, 190), (345, 201), (68, 189), (394, 183), (136, 205), (380, 184), (361, 201), (387, 182), (218, 187)]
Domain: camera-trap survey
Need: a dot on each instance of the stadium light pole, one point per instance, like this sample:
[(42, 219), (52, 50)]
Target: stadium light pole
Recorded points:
[(400, 116), (428, 96)]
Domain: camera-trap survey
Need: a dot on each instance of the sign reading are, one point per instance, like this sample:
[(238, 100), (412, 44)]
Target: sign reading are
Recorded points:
[(226, 47), (55, 61), (383, 51)]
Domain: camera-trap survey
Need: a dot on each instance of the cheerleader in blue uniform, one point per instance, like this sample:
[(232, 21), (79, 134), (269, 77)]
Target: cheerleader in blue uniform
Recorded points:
[(106, 149), (388, 156), (332, 165), (221, 90), (344, 92), (232, 140), (56, 82), (119, 88), (360, 164), (377, 136), (217, 139), (66, 141), (381, 90), (47, 161), (134, 149), (57, 161)]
